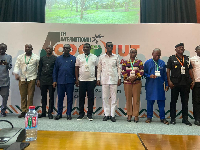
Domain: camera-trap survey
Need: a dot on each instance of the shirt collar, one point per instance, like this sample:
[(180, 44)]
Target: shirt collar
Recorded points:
[(65, 56), (87, 55), (107, 55), (179, 57), (3, 55)]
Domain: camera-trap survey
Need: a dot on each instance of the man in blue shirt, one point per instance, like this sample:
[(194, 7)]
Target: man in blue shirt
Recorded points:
[(64, 79), (156, 79)]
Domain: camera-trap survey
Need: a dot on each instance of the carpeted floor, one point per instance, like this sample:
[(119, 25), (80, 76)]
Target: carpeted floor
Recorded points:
[(97, 125)]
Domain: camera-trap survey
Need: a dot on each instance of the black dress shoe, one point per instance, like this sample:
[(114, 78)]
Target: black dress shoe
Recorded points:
[(129, 120), (113, 119), (69, 117), (186, 122), (164, 121), (3, 114), (173, 121), (136, 120), (58, 117), (196, 122), (106, 118), (41, 115), (90, 118), (50, 116), (22, 115)]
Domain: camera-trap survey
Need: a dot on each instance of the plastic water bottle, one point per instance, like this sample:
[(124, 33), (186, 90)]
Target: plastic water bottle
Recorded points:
[(31, 121)]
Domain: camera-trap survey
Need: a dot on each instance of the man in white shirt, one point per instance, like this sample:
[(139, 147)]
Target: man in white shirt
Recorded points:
[(85, 71), (109, 72), (195, 61), (25, 71)]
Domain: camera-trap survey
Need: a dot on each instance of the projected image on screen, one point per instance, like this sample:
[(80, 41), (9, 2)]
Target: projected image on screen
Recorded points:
[(93, 11)]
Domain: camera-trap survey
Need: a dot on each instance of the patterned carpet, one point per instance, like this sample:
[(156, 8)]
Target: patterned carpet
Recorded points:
[(97, 125)]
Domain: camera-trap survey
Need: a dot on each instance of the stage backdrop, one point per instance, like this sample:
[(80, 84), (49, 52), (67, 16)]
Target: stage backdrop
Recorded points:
[(143, 37)]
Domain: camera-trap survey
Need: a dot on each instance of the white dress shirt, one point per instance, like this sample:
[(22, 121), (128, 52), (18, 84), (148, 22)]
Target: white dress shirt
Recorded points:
[(86, 69), (195, 61), (109, 69), (27, 69)]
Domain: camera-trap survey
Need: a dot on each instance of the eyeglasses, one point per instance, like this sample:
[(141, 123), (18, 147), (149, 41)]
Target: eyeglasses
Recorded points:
[(66, 47), (109, 45)]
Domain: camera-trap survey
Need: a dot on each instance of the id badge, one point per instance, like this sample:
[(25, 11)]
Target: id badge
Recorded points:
[(132, 73), (86, 68), (182, 70), (24, 68), (157, 73)]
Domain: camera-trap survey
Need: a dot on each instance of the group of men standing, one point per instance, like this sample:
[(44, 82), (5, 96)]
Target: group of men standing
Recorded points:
[(63, 72), (86, 72), (179, 78)]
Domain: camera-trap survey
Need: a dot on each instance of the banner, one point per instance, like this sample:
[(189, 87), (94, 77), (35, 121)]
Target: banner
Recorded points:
[(143, 37)]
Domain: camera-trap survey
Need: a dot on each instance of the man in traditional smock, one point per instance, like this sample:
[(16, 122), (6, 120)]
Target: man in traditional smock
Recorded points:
[(156, 85)]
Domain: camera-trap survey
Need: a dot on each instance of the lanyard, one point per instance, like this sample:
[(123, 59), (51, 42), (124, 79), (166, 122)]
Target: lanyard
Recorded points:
[(86, 58), (180, 61), (132, 63), (28, 60), (156, 65)]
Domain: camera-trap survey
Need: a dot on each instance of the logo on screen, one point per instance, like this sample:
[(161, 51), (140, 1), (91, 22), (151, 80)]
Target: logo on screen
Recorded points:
[(98, 46)]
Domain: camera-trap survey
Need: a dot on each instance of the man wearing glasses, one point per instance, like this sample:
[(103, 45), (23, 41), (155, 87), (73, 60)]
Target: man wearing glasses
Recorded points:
[(109, 72), (64, 79)]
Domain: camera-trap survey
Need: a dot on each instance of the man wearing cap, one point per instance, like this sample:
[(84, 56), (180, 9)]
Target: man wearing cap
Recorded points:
[(25, 70), (156, 85), (45, 81), (109, 72), (64, 79), (195, 61), (5, 66), (180, 81)]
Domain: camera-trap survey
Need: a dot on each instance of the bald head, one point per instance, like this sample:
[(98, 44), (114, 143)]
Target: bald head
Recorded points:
[(3, 48), (28, 45), (49, 50), (156, 54), (66, 45), (66, 49), (28, 49), (197, 48), (156, 50), (49, 46)]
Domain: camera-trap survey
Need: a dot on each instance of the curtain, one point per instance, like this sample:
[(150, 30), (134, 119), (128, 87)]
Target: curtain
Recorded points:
[(168, 11), (198, 10), (22, 11)]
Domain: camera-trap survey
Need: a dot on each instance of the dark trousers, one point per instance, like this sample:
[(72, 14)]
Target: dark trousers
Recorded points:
[(69, 89), (44, 89), (184, 91), (196, 101), (4, 92), (89, 87)]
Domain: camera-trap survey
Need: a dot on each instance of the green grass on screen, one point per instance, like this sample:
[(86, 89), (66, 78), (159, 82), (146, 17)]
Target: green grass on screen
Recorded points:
[(124, 12)]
